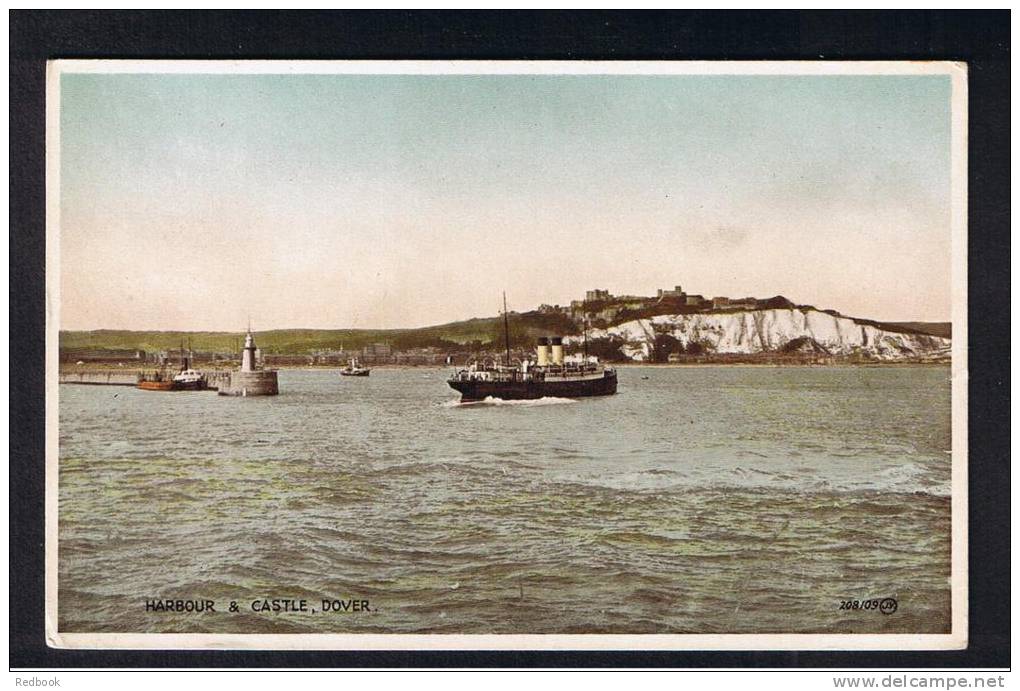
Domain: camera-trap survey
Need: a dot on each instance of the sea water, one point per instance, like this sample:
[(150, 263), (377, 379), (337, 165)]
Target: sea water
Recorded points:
[(696, 500)]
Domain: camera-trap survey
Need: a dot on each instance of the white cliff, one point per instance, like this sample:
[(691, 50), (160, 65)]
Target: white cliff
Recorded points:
[(757, 331)]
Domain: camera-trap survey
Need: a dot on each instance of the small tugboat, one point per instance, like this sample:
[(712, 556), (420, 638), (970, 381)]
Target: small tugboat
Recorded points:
[(186, 379), (354, 370), (189, 380), (551, 375)]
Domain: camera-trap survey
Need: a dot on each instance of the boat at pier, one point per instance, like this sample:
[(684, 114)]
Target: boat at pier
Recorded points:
[(189, 380), (354, 370), (186, 379), (159, 380), (550, 375)]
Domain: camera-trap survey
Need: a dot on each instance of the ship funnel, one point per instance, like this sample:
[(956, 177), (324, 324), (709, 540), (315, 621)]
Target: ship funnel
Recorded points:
[(542, 351), (557, 350)]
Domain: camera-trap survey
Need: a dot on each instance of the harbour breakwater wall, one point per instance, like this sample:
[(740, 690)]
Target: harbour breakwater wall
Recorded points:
[(256, 383), (100, 378), (216, 379)]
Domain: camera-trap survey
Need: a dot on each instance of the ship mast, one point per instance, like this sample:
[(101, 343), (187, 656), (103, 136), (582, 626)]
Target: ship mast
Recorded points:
[(506, 329), (585, 326)]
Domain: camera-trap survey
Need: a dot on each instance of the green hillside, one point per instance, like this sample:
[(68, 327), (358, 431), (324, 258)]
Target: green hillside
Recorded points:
[(523, 328), (471, 333), (943, 329)]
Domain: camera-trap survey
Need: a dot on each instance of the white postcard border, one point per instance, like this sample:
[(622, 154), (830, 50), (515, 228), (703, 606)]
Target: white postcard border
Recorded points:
[(956, 639)]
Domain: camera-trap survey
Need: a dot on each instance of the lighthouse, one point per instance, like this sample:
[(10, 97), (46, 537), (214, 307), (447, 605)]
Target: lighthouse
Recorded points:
[(250, 380), (248, 353)]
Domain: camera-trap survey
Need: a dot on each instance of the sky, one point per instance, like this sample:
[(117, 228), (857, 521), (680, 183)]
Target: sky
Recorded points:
[(194, 201)]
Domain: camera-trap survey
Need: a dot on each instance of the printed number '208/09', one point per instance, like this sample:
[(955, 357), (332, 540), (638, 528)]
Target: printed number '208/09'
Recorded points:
[(885, 605)]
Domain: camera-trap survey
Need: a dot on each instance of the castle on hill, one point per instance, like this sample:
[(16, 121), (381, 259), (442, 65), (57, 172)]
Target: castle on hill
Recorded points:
[(601, 304)]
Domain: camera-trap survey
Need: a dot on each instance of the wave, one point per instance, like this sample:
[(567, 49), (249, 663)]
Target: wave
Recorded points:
[(499, 402), (910, 478)]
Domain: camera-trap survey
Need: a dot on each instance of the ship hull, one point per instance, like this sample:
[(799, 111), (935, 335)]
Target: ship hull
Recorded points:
[(170, 385), (354, 374), (156, 385), (531, 390), (190, 385)]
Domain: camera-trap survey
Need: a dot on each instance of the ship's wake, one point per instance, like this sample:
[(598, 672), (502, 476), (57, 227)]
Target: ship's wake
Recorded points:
[(498, 402)]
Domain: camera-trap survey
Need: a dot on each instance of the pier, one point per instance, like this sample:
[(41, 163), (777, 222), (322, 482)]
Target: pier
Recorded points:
[(216, 379), (100, 378)]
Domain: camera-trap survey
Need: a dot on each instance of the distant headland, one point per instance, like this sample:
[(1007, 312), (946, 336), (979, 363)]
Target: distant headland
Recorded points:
[(672, 326)]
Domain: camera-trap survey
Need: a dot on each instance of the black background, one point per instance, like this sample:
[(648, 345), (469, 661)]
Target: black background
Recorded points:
[(980, 38)]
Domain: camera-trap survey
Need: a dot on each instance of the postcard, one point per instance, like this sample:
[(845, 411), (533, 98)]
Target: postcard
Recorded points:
[(438, 355)]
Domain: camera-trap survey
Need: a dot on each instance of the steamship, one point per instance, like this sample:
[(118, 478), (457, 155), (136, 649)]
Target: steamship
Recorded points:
[(550, 375), (353, 369), (187, 379)]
